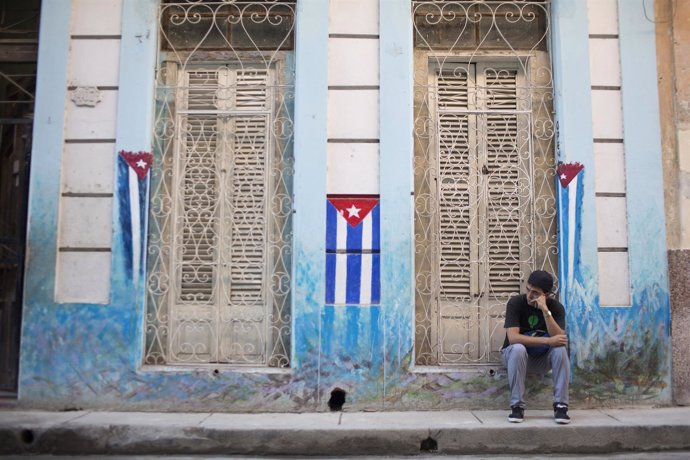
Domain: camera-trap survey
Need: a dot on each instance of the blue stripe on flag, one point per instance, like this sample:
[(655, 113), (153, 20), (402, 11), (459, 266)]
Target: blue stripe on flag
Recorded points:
[(354, 264), (330, 278), (375, 279), (576, 226), (331, 226), (354, 274), (125, 213), (354, 237), (143, 220)]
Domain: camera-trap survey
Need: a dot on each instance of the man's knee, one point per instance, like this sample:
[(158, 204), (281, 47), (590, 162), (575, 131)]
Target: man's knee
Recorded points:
[(517, 351), (559, 354)]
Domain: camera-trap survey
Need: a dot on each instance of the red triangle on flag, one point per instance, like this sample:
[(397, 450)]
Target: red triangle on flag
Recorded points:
[(354, 209), (140, 162), (567, 172)]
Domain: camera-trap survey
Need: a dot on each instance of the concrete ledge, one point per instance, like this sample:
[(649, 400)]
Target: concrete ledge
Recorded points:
[(341, 434)]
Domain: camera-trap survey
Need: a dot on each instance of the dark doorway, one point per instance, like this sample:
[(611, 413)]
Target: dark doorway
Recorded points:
[(18, 55)]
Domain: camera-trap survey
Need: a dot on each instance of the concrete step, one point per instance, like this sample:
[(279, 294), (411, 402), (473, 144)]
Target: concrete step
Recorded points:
[(342, 433)]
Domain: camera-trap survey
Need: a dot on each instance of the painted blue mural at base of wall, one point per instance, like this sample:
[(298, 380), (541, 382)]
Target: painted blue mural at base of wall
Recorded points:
[(86, 356), (82, 357)]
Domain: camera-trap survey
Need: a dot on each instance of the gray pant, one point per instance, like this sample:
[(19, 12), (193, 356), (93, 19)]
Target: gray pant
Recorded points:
[(519, 363)]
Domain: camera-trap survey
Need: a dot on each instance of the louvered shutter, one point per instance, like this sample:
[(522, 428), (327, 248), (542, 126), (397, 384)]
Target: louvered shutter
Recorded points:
[(223, 155), (503, 179), (457, 213), (456, 168)]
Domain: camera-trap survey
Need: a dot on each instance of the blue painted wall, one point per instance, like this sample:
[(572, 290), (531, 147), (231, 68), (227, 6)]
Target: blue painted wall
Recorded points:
[(44, 191), (44, 186), (397, 186), (76, 355), (617, 353)]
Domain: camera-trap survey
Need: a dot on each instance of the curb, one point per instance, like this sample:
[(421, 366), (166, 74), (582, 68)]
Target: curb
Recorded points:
[(400, 433)]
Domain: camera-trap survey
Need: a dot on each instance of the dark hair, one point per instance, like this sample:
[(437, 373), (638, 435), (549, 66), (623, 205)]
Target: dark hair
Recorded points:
[(541, 279)]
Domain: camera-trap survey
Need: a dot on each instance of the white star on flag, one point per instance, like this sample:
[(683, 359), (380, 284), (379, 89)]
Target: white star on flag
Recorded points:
[(141, 164), (353, 211), (567, 172)]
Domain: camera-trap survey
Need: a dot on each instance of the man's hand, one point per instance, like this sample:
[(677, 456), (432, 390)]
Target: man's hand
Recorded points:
[(541, 304), (560, 340), (551, 324)]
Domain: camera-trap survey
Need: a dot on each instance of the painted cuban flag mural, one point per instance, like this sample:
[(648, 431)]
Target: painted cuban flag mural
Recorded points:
[(133, 193), (569, 205), (352, 250)]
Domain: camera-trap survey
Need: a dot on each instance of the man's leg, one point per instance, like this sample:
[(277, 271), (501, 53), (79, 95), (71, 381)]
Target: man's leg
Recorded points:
[(560, 368), (515, 361)]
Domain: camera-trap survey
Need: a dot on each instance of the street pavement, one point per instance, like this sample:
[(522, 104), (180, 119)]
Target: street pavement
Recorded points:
[(676, 455), (652, 432)]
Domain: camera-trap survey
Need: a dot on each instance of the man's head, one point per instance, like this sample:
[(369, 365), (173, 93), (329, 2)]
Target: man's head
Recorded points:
[(539, 283)]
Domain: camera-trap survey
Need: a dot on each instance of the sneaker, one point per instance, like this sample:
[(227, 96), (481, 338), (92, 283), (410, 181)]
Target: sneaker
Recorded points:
[(560, 413), (517, 414)]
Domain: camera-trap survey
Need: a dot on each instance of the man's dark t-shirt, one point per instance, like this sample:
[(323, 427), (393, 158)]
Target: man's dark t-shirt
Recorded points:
[(528, 318)]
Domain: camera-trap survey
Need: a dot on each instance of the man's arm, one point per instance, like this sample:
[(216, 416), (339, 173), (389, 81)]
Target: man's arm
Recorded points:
[(551, 324), (557, 337), (514, 337), (512, 326)]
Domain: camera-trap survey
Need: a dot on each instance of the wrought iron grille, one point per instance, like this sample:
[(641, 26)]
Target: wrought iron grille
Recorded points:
[(484, 170), (219, 239)]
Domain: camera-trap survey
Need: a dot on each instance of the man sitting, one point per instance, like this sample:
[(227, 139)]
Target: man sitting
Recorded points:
[(536, 342)]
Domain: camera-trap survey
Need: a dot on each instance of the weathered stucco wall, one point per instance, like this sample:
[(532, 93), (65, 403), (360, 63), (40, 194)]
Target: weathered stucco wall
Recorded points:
[(89, 355), (673, 47)]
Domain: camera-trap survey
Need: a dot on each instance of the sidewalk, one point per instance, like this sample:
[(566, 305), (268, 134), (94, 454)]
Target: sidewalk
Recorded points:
[(341, 433)]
